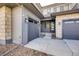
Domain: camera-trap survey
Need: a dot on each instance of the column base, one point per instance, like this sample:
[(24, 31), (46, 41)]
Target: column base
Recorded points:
[(4, 42)]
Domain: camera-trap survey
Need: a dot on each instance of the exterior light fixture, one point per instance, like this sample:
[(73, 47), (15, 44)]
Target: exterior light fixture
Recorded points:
[(26, 20)]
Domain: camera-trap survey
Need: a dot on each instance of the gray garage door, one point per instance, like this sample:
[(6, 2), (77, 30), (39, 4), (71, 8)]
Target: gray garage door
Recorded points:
[(33, 29), (71, 29), (30, 30)]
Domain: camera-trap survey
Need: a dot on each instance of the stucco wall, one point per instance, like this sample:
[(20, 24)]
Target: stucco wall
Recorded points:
[(17, 25), (27, 13), (59, 20), (18, 17)]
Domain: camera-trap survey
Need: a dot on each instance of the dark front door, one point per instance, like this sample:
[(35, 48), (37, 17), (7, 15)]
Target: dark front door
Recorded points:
[(71, 29)]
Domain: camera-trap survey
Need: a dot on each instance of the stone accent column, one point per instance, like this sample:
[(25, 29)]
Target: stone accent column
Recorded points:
[(8, 25), (2, 25), (5, 25)]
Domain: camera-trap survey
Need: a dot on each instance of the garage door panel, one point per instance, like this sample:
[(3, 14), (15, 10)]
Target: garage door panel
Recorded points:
[(71, 29), (33, 31), (70, 37)]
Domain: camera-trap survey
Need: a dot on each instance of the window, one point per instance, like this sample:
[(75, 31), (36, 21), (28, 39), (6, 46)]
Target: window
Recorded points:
[(32, 21), (61, 8), (52, 10), (49, 10), (52, 26), (45, 11), (68, 6), (48, 25), (55, 9)]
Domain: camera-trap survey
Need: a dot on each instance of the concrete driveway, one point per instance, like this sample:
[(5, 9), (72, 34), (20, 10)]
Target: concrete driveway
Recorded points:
[(55, 47), (74, 46)]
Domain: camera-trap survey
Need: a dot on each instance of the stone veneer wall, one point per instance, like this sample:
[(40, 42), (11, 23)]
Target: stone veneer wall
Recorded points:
[(2, 23), (5, 24), (8, 23)]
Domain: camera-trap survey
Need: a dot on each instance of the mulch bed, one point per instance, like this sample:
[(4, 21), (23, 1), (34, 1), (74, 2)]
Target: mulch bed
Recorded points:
[(19, 51), (4, 48), (23, 51)]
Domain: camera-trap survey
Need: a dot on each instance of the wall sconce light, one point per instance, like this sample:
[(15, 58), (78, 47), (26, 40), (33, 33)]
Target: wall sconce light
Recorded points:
[(26, 20)]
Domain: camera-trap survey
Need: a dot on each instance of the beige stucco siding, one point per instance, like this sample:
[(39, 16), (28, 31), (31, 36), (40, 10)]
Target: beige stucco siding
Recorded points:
[(19, 14), (17, 25), (59, 20), (27, 13)]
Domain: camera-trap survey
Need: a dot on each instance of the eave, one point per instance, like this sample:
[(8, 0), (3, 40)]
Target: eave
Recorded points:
[(34, 10), (66, 12)]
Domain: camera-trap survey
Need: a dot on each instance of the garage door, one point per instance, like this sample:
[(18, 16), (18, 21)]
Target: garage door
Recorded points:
[(71, 29), (33, 29)]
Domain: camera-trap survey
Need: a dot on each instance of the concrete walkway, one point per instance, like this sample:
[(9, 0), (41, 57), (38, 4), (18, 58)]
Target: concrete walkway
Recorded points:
[(55, 47)]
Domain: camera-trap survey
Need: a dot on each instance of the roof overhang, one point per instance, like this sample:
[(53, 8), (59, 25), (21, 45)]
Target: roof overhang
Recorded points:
[(65, 12), (33, 9), (29, 6)]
